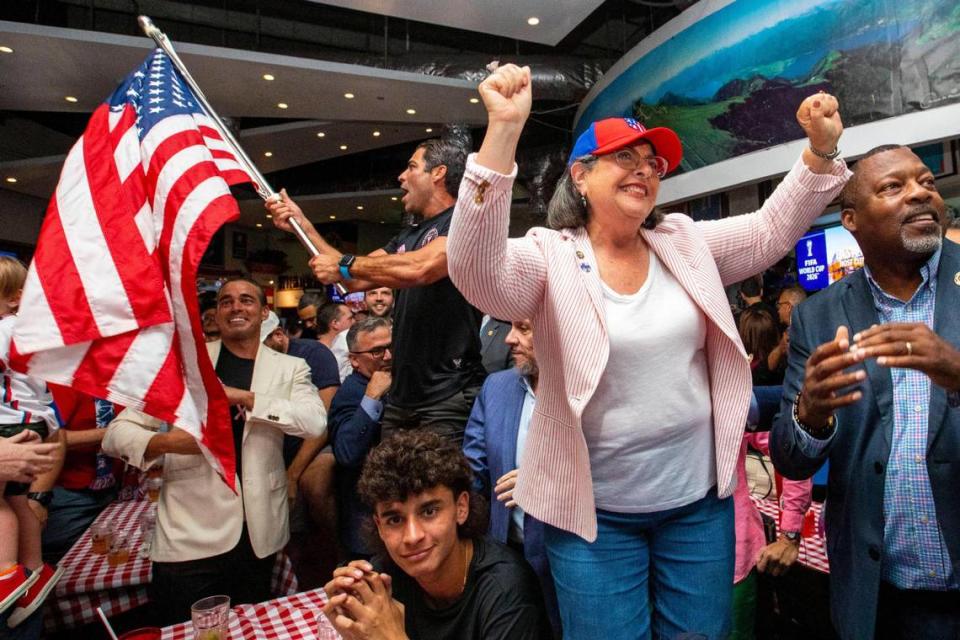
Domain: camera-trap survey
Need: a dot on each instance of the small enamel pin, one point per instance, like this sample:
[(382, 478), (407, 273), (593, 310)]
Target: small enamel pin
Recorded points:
[(580, 256), (584, 267), (956, 278)]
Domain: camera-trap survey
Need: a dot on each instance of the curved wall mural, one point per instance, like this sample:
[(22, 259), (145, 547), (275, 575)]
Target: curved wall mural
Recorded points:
[(730, 82)]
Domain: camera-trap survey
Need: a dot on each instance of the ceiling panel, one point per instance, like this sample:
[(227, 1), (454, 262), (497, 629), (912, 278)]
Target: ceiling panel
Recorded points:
[(289, 145), (53, 59), (507, 18)]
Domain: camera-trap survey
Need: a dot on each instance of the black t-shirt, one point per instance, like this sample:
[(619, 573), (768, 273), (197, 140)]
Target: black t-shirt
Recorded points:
[(235, 371), (324, 370), (502, 601), (436, 332)]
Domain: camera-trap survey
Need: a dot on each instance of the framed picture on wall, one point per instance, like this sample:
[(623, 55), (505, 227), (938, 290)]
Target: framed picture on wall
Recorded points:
[(239, 245)]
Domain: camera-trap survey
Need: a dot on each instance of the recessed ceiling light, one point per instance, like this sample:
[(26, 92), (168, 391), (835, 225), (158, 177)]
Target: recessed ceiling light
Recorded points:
[(333, 217), (381, 222), (321, 134), (428, 130), (268, 77), (6, 50), (394, 198), (376, 134), (270, 282), (282, 105), (259, 225), (411, 112), (69, 98), (268, 154), (12, 180), (474, 100), (269, 217), (343, 147), (533, 21), (359, 207), (348, 96)]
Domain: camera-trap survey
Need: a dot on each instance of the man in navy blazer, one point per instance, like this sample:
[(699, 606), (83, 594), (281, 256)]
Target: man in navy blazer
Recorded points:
[(354, 422), (493, 442), (873, 385)]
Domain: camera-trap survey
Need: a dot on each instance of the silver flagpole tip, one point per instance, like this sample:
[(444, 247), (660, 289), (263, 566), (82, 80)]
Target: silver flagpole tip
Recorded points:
[(147, 25)]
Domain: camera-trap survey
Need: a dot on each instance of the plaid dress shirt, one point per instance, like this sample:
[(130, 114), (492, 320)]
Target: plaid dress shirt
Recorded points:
[(914, 553)]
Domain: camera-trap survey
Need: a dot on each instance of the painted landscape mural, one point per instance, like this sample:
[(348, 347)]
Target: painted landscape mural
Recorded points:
[(730, 83)]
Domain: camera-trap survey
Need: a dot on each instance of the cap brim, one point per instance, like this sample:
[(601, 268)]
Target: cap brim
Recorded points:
[(664, 140)]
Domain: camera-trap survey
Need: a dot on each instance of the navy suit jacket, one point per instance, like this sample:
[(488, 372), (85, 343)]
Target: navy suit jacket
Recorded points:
[(860, 448), (490, 444), (352, 434)]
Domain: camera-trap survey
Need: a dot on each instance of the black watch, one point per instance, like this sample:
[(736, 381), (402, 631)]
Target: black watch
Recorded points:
[(43, 497), (346, 261)]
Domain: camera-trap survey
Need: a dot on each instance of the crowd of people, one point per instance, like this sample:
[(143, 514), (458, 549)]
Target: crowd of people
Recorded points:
[(546, 436)]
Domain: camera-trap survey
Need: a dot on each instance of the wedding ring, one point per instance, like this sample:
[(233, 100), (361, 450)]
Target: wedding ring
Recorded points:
[(909, 349)]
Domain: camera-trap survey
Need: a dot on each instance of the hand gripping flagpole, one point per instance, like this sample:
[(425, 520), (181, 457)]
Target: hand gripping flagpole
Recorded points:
[(263, 188)]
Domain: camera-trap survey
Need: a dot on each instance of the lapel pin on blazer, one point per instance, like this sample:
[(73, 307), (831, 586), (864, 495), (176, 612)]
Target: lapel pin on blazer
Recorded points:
[(956, 278)]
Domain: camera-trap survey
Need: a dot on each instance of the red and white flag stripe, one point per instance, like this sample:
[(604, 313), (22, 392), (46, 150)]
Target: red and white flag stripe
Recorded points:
[(110, 304)]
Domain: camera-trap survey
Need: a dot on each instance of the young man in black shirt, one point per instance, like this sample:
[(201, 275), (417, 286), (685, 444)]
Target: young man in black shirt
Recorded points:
[(437, 369), (442, 580)]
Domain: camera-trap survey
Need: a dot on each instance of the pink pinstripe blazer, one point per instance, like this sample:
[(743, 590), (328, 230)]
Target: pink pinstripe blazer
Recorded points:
[(542, 276)]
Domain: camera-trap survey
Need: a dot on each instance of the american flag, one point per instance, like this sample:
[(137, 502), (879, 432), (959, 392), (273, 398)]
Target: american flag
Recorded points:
[(110, 302)]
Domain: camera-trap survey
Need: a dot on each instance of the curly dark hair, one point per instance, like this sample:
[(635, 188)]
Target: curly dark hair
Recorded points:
[(414, 461)]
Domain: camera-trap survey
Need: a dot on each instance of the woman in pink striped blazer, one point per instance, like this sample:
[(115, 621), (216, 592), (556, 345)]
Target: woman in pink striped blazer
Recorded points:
[(644, 390)]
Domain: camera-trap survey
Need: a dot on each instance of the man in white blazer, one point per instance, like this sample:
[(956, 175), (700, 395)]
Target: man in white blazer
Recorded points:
[(210, 540)]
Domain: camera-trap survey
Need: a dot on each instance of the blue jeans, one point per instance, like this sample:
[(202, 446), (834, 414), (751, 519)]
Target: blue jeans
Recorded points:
[(665, 575)]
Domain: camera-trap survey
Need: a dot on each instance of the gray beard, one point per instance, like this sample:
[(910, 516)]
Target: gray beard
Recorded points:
[(922, 245), (529, 369)]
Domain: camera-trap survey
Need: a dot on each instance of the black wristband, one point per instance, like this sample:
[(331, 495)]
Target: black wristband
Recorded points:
[(820, 433), (44, 498)]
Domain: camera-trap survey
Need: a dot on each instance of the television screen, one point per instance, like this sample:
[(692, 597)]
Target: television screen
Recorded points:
[(826, 255)]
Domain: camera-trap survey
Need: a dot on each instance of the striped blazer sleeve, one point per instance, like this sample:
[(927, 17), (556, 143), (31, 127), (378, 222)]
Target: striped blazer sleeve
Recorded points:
[(503, 277), (745, 245)]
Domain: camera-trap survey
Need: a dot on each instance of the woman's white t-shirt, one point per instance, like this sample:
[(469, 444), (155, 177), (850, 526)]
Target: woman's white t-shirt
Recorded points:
[(648, 426)]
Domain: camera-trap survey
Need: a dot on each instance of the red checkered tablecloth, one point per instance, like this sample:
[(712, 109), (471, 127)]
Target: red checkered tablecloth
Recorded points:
[(89, 582), (296, 617), (813, 549)]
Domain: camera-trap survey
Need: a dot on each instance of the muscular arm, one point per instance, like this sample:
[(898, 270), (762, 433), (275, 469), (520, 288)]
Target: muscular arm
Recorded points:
[(402, 270)]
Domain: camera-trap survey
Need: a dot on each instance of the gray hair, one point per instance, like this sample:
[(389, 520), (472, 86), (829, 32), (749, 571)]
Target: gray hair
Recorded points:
[(569, 210), (450, 152), (367, 325)]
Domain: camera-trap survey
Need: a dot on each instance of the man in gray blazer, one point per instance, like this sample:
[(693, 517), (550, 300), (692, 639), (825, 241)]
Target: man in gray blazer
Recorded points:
[(873, 386), (210, 540)]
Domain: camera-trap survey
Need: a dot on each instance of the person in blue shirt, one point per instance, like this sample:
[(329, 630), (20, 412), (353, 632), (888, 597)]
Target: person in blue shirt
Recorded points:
[(873, 386), (354, 423)]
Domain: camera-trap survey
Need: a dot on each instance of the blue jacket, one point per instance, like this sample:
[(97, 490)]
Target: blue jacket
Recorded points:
[(860, 448), (353, 434), (490, 444)]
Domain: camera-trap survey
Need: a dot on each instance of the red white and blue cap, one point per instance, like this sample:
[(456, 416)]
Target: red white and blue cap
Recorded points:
[(611, 134)]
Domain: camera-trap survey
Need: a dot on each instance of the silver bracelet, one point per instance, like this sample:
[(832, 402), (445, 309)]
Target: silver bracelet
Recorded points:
[(833, 155)]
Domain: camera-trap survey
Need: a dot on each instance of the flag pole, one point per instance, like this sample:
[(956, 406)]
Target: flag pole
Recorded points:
[(263, 188)]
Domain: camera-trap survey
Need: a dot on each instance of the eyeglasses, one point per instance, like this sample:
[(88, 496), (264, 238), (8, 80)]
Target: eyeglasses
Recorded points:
[(630, 161), (376, 352)]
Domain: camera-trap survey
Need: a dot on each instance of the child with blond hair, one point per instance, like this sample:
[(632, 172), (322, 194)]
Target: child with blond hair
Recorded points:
[(25, 405)]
